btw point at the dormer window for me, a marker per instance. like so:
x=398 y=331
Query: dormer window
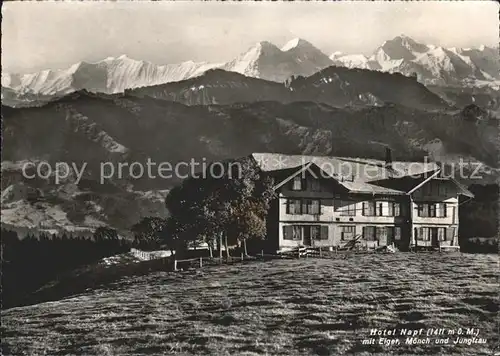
x=298 y=183
x=315 y=185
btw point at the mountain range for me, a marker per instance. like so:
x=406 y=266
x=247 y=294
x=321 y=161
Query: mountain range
x=125 y=128
x=430 y=64
x=292 y=100
x=335 y=86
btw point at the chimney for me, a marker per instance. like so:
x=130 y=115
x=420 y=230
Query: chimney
x=388 y=158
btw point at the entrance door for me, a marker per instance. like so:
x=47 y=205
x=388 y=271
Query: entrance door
x=382 y=236
x=307 y=235
x=434 y=236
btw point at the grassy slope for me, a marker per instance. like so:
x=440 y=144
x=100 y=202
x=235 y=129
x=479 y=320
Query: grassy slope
x=281 y=307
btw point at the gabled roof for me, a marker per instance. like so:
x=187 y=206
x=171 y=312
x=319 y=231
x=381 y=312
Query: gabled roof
x=357 y=175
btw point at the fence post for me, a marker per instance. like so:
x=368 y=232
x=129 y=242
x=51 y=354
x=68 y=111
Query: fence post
x=320 y=255
x=201 y=262
x=175 y=265
x=262 y=253
x=242 y=256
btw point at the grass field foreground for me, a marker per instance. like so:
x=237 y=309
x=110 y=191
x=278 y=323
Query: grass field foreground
x=281 y=307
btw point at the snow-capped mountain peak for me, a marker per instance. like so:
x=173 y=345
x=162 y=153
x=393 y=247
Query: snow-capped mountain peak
x=432 y=64
x=400 y=47
x=264 y=46
x=296 y=43
x=265 y=60
x=110 y=75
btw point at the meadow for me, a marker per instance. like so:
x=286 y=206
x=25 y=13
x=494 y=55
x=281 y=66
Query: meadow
x=307 y=306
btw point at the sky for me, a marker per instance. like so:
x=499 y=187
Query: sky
x=53 y=35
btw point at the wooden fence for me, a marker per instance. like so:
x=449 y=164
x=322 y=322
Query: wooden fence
x=200 y=262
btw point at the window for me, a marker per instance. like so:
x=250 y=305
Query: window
x=319 y=232
x=315 y=232
x=369 y=208
x=292 y=232
x=423 y=234
x=316 y=207
x=293 y=206
x=297 y=183
x=394 y=209
x=310 y=206
x=323 y=233
x=431 y=233
x=441 y=210
x=422 y=210
x=346 y=208
x=369 y=233
x=397 y=233
x=303 y=206
x=347 y=232
x=431 y=210
x=315 y=185
x=381 y=208
x=381 y=233
x=297 y=232
x=442 y=189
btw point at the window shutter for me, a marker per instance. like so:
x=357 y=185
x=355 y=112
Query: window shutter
x=365 y=210
x=441 y=234
x=324 y=232
x=442 y=208
x=450 y=233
